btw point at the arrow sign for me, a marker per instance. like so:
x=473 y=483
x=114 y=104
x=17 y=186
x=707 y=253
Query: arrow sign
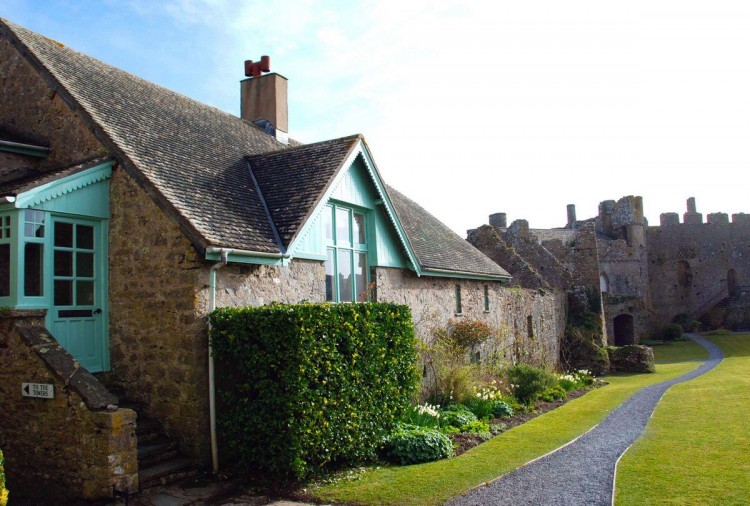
x=39 y=390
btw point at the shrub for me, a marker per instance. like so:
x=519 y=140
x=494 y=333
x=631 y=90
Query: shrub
x=567 y=382
x=478 y=427
x=683 y=320
x=306 y=384
x=671 y=332
x=553 y=393
x=581 y=352
x=695 y=325
x=3 y=490
x=583 y=378
x=457 y=416
x=528 y=382
x=409 y=444
x=501 y=409
x=632 y=358
x=482 y=403
x=423 y=415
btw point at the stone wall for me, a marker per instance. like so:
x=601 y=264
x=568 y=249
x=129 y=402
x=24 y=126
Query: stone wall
x=432 y=301
x=158 y=341
x=689 y=265
x=75 y=445
x=31 y=109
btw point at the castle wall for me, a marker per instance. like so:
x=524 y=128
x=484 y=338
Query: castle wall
x=689 y=265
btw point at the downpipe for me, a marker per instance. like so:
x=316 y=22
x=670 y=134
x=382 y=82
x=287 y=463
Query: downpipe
x=211 y=381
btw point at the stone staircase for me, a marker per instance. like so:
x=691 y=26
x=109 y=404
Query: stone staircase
x=159 y=459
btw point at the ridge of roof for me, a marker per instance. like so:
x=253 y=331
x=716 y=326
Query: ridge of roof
x=436 y=246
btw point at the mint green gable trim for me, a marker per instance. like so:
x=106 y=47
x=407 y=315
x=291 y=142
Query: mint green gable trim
x=302 y=245
x=91 y=194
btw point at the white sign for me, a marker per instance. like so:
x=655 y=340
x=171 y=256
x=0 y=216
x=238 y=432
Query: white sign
x=42 y=390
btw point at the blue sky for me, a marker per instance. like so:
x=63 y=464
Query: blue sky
x=469 y=107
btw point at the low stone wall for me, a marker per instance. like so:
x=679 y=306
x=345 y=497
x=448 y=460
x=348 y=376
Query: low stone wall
x=76 y=445
x=432 y=301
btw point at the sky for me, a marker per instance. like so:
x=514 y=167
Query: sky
x=469 y=107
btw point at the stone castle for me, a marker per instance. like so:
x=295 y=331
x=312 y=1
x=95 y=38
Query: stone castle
x=636 y=277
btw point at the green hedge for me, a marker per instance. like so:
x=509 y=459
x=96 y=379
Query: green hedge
x=304 y=385
x=3 y=490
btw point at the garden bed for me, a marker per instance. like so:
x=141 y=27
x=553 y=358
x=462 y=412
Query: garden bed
x=463 y=442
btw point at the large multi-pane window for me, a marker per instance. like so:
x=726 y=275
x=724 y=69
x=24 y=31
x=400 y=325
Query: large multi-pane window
x=33 y=253
x=346 y=250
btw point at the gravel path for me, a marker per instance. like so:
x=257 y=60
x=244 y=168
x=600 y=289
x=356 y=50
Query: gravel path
x=583 y=471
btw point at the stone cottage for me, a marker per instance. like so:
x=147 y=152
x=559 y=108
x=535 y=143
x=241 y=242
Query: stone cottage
x=128 y=212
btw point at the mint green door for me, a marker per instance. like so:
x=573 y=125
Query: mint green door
x=77 y=317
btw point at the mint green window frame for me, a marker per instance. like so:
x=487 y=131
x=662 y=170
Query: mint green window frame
x=345 y=231
x=8 y=233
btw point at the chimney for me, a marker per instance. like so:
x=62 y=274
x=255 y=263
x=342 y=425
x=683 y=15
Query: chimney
x=571 y=216
x=263 y=99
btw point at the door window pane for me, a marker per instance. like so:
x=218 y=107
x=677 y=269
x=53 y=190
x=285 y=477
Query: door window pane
x=4 y=270
x=84 y=237
x=4 y=227
x=360 y=275
x=344 y=264
x=33 y=254
x=84 y=265
x=330 y=288
x=63 y=292
x=358 y=229
x=342 y=227
x=64 y=235
x=63 y=263
x=84 y=293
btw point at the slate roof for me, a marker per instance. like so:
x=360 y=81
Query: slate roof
x=189 y=154
x=219 y=175
x=312 y=167
x=437 y=246
x=30 y=179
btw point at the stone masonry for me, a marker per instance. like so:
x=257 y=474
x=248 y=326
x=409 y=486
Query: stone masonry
x=75 y=445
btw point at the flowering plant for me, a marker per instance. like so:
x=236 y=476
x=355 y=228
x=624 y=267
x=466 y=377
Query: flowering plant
x=422 y=415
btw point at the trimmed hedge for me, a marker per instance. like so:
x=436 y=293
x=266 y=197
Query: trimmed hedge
x=3 y=490
x=304 y=385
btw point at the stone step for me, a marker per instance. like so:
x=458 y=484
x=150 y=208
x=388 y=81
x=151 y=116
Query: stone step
x=155 y=451
x=166 y=472
x=147 y=430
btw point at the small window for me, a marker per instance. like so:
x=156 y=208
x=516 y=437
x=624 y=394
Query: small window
x=530 y=326
x=4 y=227
x=459 y=308
x=486 y=299
x=34 y=223
x=476 y=358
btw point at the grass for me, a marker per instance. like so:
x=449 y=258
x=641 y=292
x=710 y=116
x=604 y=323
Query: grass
x=435 y=482
x=696 y=448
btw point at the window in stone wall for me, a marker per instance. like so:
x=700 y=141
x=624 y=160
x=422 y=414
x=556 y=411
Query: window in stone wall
x=530 y=326
x=603 y=282
x=459 y=308
x=346 y=266
x=486 y=299
x=684 y=274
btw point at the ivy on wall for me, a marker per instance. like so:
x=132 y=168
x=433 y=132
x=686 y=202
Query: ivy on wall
x=3 y=490
x=305 y=385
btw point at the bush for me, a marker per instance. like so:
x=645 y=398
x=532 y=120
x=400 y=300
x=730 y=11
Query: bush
x=632 y=358
x=581 y=352
x=553 y=393
x=501 y=409
x=478 y=427
x=423 y=415
x=307 y=384
x=409 y=444
x=567 y=382
x=528 y=382
x=457 y=416
x=671 y=332
x=483 y=402
x=683 y=320
x=3 y=490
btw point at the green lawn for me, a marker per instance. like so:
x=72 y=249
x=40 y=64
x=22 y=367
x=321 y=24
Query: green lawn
x=436 y=482
x=696 y=448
